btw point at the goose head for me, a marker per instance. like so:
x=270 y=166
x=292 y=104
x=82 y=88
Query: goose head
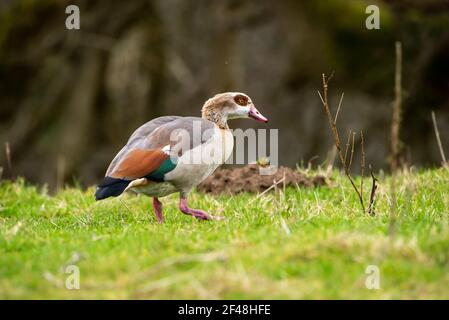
x=230 y=105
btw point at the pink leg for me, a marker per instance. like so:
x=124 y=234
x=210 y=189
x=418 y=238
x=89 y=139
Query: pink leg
x=193 y=212
x=157 y=205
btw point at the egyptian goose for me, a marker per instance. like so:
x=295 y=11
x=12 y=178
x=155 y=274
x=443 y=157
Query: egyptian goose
x=174 y=154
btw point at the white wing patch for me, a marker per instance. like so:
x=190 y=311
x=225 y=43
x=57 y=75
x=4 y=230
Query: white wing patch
x=166 y=149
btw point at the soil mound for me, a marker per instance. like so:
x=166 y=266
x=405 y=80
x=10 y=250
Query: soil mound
x=250 y=179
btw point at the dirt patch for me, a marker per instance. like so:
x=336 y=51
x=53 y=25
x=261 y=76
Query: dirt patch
x=249 y=179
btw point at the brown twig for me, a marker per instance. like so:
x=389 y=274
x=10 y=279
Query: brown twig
x=333 y=126
x=372 y=198
x=437 y=135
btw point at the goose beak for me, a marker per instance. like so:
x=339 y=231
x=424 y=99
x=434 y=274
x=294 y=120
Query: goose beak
x=256 y=115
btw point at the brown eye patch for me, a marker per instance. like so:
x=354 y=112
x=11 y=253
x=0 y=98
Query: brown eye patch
x=241 y=100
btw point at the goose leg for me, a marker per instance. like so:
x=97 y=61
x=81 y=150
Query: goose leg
x=157 y=205
x=199 y=214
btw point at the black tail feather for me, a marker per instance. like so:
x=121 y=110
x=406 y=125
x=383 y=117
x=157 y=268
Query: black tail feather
x=111 y=187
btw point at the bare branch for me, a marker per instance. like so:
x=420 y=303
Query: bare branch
x=333 y=126
x=321 y=97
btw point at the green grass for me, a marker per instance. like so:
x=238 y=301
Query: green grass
x=304 y=244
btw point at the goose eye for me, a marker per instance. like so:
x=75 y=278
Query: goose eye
x=240 y=100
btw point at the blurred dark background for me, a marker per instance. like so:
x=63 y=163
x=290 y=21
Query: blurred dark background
x=69 y=99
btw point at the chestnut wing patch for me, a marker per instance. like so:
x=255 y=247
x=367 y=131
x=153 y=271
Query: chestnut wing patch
x=139 y=163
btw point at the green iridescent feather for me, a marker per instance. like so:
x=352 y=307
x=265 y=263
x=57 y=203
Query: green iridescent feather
x=158 y=174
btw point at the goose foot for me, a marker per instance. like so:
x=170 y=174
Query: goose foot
x=199 y=214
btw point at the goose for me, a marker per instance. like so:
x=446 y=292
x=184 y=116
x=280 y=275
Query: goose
x=173 y=154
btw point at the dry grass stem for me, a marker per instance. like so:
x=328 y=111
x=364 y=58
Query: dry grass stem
x=372 y=198
x=352 y=150
x=437 y=135
x=339 y=106
x=8 y=158
x=347 y=145
x=362 y=160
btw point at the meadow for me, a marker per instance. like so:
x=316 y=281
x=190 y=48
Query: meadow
x=295 y=243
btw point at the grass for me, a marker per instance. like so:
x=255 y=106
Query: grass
x=304 y=244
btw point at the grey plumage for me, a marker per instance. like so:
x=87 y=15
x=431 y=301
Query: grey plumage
x=161 y=131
